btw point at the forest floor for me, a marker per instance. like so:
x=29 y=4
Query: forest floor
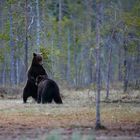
x=73 y=120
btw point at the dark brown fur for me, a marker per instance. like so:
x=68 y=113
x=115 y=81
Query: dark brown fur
x=35 y=70
x=48 y=90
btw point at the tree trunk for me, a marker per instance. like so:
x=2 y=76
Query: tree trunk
x=59 y=24
x=75 y=57
x=3 y=68
x=17 y=71
x=26 y=36
x=4 y=74
x=108 y=73
x=37 y=25
x=98 y=59
x=68 y=58
x=52 y=55
x=125 y=68
x=12 y=63
x=119 y=65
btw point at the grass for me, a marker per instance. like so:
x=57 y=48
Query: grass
x=75 y=119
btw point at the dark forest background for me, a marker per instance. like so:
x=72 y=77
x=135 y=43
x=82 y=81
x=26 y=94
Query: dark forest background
x=70 y=33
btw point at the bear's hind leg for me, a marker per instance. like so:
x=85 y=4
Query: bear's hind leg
x=47 y=97
x=25 y=97
x=58 y=99
x=39 y=96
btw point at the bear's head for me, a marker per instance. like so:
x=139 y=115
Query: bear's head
x=37 y=59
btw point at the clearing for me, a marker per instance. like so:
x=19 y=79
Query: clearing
x=120 y=115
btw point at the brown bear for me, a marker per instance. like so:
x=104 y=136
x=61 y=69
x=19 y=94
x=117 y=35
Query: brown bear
x=48 y=90
x=35 y=70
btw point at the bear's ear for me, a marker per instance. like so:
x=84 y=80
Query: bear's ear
x=34 y=54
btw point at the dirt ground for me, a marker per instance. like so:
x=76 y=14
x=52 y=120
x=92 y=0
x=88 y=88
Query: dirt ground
x=33 y=121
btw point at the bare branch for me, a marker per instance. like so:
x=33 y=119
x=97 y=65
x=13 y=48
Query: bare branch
x=31 y=22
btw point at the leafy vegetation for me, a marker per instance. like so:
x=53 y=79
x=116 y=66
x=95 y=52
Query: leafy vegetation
x=66 y=33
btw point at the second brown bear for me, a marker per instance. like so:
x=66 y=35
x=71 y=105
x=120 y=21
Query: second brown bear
x=48 y=90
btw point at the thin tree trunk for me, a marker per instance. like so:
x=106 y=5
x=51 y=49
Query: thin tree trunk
x=54 y=58
x=38 y=25
x=75 y=58
x=119 y=65
x=59 y=24
x=26 y=36
x=3 y=68
x=125 y=68
x=98 y=74
x=4 y=74
x=68 y=58
x=17 y=71
x=98 y=59
x=52 y=54
x=88 y=76
x=108 y=73
x=12 y=63
x=98 y=123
